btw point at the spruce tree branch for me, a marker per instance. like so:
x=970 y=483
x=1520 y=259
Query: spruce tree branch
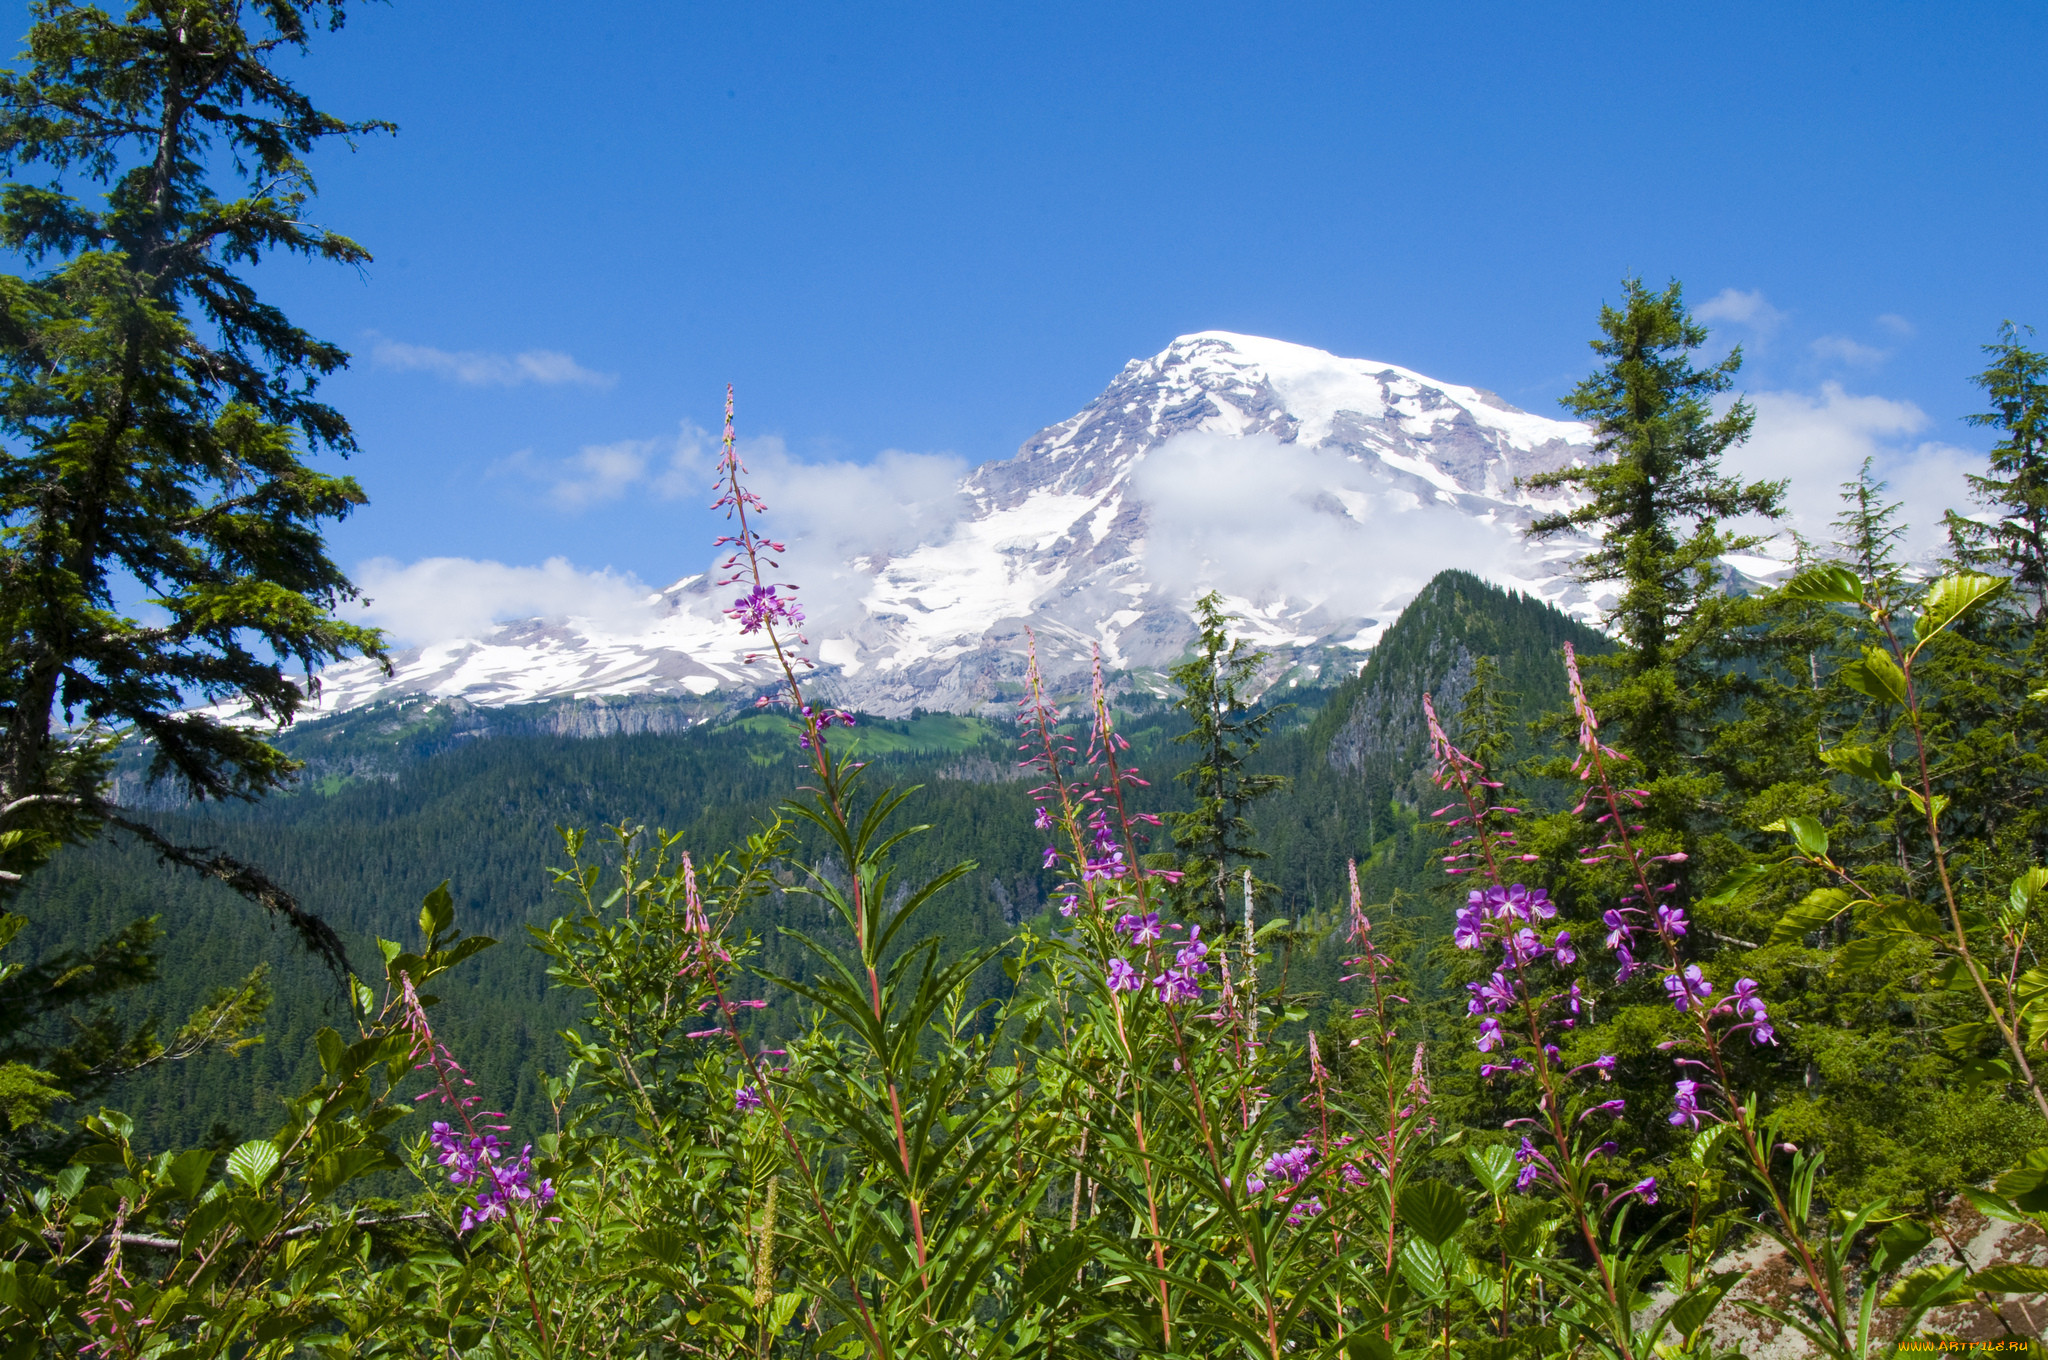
x=313 y=932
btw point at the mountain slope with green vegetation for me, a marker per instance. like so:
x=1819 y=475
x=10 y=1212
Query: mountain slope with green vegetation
x=398 y=798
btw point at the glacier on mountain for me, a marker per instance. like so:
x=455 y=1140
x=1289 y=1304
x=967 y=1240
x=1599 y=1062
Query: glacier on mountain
x=1317 y=493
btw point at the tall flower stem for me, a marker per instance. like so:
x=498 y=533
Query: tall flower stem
x=1596 y=772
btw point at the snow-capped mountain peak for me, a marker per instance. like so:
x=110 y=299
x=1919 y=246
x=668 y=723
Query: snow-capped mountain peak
x=1317 y=493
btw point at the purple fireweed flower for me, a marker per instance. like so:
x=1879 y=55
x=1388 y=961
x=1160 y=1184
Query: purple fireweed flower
x=1304 y=1211
x=760 y=607
x=1685 y=1105
x=1619 y=931
x=1292 y=1165
x=1043 y=821
x=1747 y=1002
x=1193 y=952
x=746 y=1098
x=1123 y=977
x=1561 y=951
x=1489 y=1033
x=1628 y=965
x=1689 y=988
x=1254 y=1186
x=1527 y=1178
x=1469 y=930
x=1646 y=1187
x=1523 y=946
x=1527 y=1152
x=1613 y=1107
x=1069 y=904
x=1052 y=856
x=1574 y=999
x=1671 y=920
x=1142 y=929
x=1174 y=986
x=1352 y=1175
x=1494 y=994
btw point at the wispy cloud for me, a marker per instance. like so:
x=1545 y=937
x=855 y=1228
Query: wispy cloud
x=1819 y=439
x=1744 y=309
x=438 y=599
x=1897 y=325
x=1840 y=349
x=475 y=368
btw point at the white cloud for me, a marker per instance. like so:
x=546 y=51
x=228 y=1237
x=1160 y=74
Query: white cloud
x=548 y=367
x=1256 y=518
x=438 y=599
x=1897 y=325
x=1819 y=440
x=1744 y=309
x=1842 y=350
x=593 y=475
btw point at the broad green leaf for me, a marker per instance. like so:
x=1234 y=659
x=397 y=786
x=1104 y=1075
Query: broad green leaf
x=1865 y=762
x=1951 y=597
x=1435 y=1210
x=1494 y=1166
x=2027 y=889
x=253 y=1161
x=437 y=911
x=1815 y=911
x=1691 y=1311
x=1733 y=885
x=1831 y=584
x=2012 y=1279
x=1925 y=1286
x=1809 y=835
x=1876 y=675
x=1423 y=1267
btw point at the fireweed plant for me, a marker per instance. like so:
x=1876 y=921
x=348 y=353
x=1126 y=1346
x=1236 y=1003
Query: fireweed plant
x=1540 y=991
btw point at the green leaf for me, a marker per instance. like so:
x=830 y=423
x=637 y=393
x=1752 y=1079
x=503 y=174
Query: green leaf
x=1423 y=1267
x=1876 y=675
x=2012 y=1279
x=188 y=1171
x=1732 y=886
x=1864 y=762
x=1831 y=584
x=1902 y=1241
x=1494 y=1166
x=1816 y=911
x=2027 y=889
x=1809 y=835
x=253 y=1161
x=1435 y=1210
x=437 y=912
x=1690 y=1312
x=1925 y=1287
x=1951 y=597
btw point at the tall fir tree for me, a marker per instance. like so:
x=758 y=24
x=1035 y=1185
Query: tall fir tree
x=1658 y=501
x=1216 y=836
x=158 y=415
x=2015 y=486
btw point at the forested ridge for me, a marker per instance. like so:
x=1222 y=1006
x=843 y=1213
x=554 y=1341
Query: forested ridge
x=483 y=813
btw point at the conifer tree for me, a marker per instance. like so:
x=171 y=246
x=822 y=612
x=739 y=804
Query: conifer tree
x=1658 y=501
x=2015 y=487
x=156 y=415
x=1217 y=834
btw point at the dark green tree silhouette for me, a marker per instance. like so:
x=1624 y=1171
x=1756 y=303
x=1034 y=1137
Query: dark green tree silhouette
x=160 y=539
x=1658 y=502
x=2015 y=486
x=1225 y=731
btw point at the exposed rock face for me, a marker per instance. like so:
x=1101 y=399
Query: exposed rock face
x=1319 y=494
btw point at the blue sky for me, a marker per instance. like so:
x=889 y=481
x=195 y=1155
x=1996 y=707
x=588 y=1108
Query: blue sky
x=937 y=228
